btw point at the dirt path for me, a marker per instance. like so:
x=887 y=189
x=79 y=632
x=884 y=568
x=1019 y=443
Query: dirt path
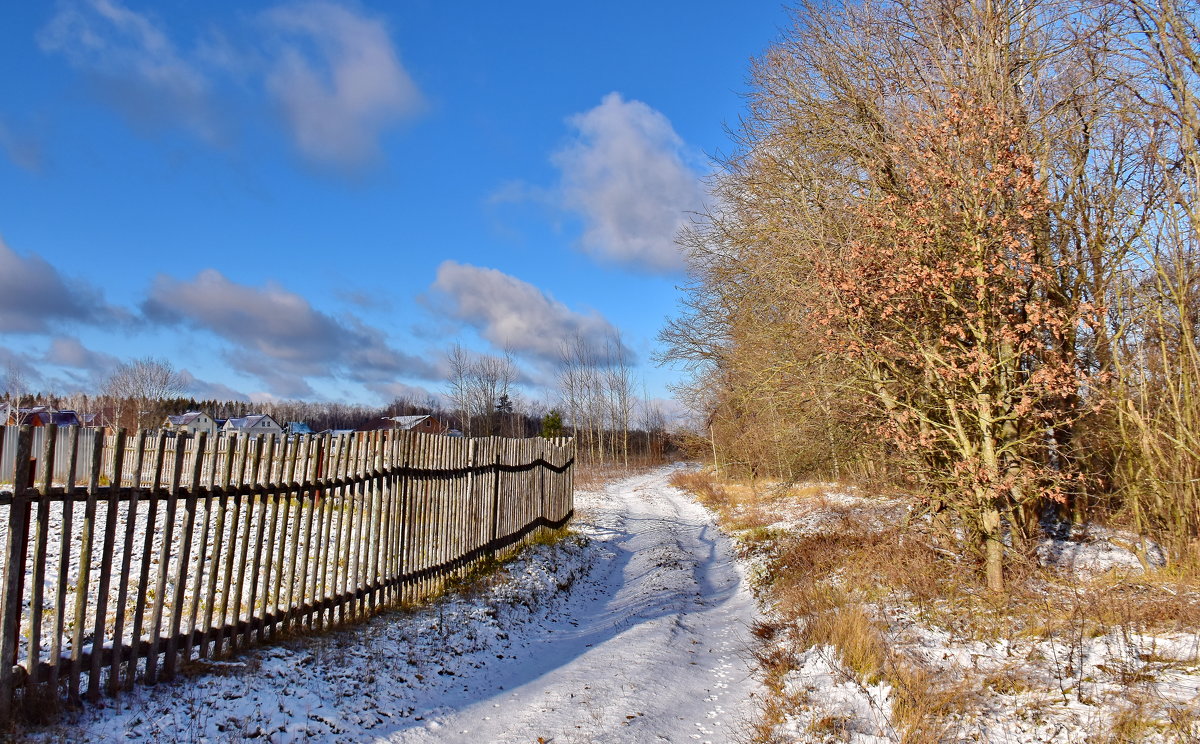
x=649 y=648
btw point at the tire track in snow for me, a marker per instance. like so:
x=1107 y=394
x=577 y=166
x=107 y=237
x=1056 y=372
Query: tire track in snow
x=650 y=647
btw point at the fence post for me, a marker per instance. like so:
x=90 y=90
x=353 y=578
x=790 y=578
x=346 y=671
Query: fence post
x=44 y=482
x=14 y=580
x=496 y=497
x=542 y=457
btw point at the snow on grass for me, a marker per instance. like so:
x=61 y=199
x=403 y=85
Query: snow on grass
x=1086 y=648
x=353 y=684
x=1090 y=550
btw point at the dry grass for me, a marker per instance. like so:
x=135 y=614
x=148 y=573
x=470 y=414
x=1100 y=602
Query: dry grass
x=828 y=589
x=821 y=585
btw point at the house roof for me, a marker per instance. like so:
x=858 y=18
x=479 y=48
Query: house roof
x=249 y=422
x=65 y=418
x=184 y=419
x=408 y=422
x=47 y=416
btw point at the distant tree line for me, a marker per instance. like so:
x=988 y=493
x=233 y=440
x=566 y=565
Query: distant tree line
x=593 y=400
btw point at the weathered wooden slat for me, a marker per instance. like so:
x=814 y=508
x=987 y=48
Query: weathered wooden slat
x=231 y=606
x=267 y=453
x=211 y=640
x=64 y=558
x=14 y=570
x=354 y=559
x=82 y=584
x=164 y=562
x=153 y=500
x=442 y=507
x=404 y=558
x=326 y=544
x=285 y=561
x=254 y=461
x=340 y=532
x=41 y=541
x=99 y=634
x=378 y=524
x=114 y=674
x=445 y=507
x=183 y=563
x=400 y=496
x=202 y=557
x=296 y=562
x=298 y=590
x=391 y=500
x=353 y=515
x=422 y=524
x=371 y=547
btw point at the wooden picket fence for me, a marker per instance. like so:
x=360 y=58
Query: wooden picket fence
x=166 y=549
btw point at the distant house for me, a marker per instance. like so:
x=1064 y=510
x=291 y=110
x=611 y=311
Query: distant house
x=255 y=425
x=425 y=424
x=297 y=427
x=45 y=416
x=191 y=422
x=65 y=417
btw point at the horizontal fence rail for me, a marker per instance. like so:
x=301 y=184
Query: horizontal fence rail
x=126 y=555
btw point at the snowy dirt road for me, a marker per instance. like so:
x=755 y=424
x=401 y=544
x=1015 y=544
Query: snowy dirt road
x=637 y=633
x=650 y=647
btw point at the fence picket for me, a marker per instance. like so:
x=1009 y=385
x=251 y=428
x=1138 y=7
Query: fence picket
x=185 y=554
x=114 y=674
x=164 y=563
x=256 y=567
x=64 y=559
x=106 y=556
x=85 y=564
x=45 y=482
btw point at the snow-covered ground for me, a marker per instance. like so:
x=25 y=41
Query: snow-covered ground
x=635 y=630
x=1058 y=676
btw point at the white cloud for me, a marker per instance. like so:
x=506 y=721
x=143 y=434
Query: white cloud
x=34 y=296
x=389 y=391
x=206 y=390
x=134 y=66
x=65 y=351
x=332 y=73
x=278 y=336
x=513 y=314
x=338 y=81
x=625 y=174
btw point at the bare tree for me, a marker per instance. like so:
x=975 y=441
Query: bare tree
x=619 y=390
x=480 y=387
x=16 y=389
x=144 y=382
x=596 y=393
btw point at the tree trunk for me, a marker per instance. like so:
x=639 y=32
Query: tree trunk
x=993 y=548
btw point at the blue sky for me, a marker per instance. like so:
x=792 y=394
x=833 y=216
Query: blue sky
x=315 y=199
